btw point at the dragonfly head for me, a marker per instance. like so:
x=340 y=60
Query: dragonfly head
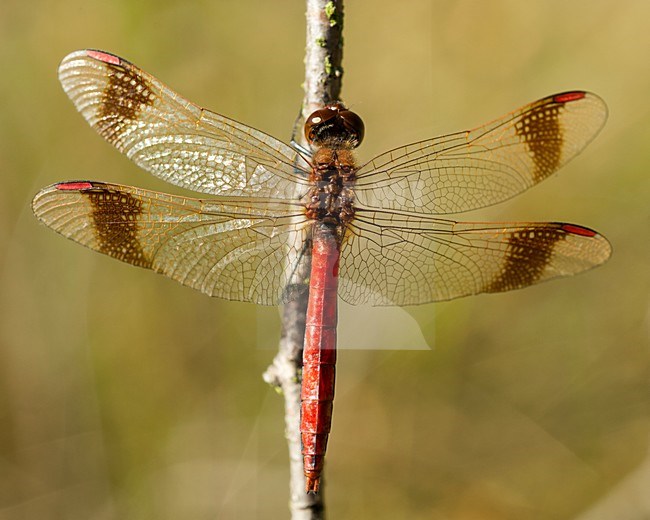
x=334 y=125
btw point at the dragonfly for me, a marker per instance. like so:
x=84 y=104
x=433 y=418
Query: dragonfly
x=373 y=231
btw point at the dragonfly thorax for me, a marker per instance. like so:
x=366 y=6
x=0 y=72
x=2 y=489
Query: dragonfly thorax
x=331 y=198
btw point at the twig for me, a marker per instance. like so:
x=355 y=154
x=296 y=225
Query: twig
x=322 y=85
x=323 y=71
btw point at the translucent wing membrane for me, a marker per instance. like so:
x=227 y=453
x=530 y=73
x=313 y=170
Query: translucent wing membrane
x=235 y=249
x=246 y=242
x=173 y=138
x=406 y=259
x=480 y=167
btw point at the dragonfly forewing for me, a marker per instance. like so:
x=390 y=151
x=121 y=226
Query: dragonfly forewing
x=490 y=164
x=173 y=138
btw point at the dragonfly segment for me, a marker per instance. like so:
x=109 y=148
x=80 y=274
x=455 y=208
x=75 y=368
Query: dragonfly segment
x=376 y=229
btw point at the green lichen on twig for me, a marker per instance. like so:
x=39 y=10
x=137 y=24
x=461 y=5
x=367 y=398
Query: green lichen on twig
x=330 y=70
x=332 y=14
x=328 y=65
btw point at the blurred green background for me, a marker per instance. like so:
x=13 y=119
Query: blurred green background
x=124 y=395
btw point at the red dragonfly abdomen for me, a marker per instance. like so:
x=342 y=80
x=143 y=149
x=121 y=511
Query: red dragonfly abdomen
x=319 y=354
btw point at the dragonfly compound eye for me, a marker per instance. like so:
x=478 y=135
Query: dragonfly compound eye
x=334 y=123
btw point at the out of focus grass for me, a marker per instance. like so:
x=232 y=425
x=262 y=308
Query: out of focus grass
x=124 y=395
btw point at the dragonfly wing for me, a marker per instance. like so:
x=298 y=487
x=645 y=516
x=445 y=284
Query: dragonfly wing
x=407 y=259
x=484 y=166
x=230 y=248
x=175 y=139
